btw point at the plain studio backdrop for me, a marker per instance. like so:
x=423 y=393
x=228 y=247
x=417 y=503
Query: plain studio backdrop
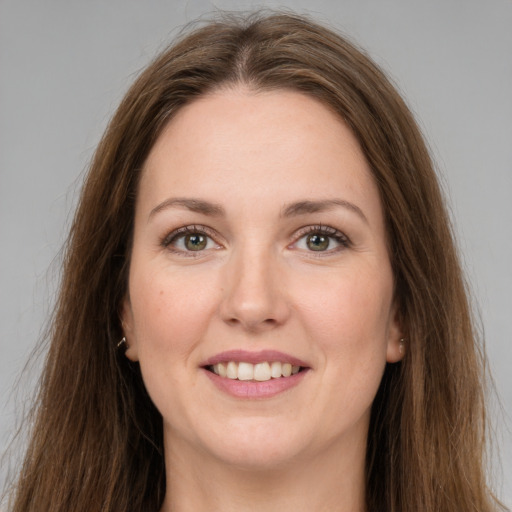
x=64 y=66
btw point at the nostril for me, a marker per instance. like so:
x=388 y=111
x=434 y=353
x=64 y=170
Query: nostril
x=252 y=323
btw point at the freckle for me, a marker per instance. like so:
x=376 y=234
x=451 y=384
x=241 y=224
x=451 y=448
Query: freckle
x=161 y=292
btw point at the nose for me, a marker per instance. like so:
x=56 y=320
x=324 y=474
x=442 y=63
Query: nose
x=254 y=295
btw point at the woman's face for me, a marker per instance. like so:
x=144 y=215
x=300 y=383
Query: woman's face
x=259 y=249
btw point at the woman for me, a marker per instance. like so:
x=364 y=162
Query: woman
x=261 y=305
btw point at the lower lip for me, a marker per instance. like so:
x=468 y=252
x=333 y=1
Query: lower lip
x=249 y=389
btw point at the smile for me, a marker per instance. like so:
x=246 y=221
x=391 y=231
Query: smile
x=260 y=372
x=255 y=375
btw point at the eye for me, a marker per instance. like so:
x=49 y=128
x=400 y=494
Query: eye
x=194 y=242
x=321 y=239
x=317 y=242
x=189 y=239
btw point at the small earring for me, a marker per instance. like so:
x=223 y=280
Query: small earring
x=401 y=346
x=121 y=343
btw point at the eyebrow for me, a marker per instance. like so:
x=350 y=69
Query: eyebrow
x=291 y=210
x=305 y=207
x=194 y=205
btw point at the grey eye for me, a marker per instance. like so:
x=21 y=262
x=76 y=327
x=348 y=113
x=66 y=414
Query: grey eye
x=317 y=242
x=195 y=242
x=189 y=241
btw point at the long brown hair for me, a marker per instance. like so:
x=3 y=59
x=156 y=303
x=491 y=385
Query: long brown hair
x=97 y=439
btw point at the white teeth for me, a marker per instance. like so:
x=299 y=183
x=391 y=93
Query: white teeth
x=231 y=370
x=221 y=369
x=260 y=372
x=287 y=369
x=275 y=370
x=245 y=371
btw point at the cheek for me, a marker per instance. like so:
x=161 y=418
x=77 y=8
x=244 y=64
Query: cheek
x=169 y=320
x=170 y=313
x=350 y=325
x=349 y=310
x=348 y=319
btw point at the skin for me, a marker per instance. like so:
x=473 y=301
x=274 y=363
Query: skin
x=258 y=285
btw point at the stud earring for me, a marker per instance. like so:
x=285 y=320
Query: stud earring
x=121 y=343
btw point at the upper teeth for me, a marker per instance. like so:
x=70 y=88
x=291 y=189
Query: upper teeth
x=260 y=371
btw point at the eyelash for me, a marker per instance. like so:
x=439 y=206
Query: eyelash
x=327 y=231
x=319 y=229
x=194 y=229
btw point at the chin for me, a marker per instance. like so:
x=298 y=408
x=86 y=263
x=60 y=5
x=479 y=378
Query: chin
x=256 y=445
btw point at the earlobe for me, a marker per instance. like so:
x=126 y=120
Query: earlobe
x=396 y=350
x=130 y=343
x=396 y=341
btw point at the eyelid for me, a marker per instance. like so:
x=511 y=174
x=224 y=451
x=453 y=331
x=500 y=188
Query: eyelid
x=328 y=231
x=341 y=238
x=174 y=235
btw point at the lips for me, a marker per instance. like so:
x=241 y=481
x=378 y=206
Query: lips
x=253 y=358
x=254 y=374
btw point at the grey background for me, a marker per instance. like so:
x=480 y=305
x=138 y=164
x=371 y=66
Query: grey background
x=64 y=65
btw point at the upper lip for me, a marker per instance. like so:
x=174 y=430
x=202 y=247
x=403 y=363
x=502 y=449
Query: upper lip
x=253 y=357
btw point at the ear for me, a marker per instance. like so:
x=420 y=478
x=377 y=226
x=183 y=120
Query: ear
x=396 y=344
x=127 y=322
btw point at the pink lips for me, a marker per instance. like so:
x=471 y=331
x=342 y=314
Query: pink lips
x=253 y=389
x=253 y=357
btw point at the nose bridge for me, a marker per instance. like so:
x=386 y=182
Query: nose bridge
x=254 y=295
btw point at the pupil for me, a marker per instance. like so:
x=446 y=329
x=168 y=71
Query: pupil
x=195 y=242
x=318 y=242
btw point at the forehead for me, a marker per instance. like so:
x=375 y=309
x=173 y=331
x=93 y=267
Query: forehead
x=274 y=145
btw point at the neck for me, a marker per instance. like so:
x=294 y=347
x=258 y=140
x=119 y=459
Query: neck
x=333 y=481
